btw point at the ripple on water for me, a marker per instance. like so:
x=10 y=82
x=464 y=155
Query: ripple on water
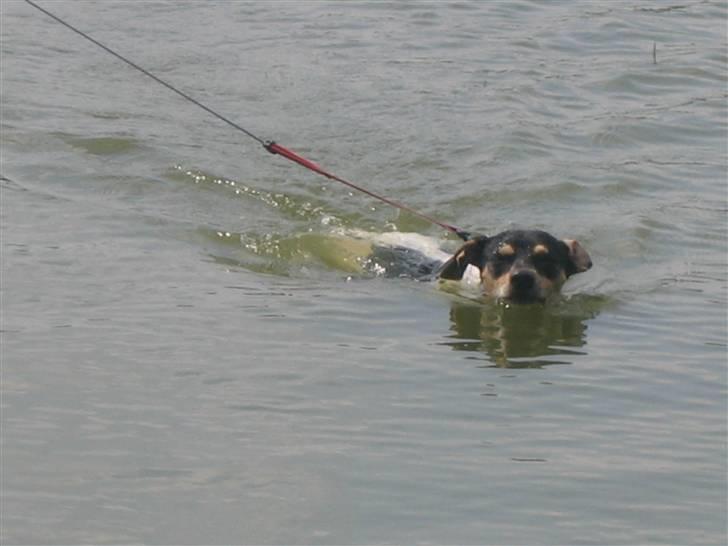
x=105 y=145
x=186 y=351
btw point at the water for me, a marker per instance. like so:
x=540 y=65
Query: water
x=191 y=352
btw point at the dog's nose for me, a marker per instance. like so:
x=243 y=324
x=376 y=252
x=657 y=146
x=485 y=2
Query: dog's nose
x=523 y=281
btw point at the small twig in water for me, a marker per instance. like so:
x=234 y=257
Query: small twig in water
x=654 y=52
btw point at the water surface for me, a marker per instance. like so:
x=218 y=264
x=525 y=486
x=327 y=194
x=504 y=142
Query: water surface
x=191 y=352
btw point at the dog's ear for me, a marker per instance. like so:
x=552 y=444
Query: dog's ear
x=471 y=253
x=579 y=260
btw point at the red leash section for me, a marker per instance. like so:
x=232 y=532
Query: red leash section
x=277 y=149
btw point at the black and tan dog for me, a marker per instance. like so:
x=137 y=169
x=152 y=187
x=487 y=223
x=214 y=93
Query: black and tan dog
x=522 y=266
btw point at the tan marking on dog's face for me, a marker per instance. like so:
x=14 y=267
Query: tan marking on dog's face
x=540 y=249
x=496 y=287
x=506 y=250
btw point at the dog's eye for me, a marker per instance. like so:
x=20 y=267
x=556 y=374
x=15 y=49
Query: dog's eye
x=546 y=267
x=500 y=264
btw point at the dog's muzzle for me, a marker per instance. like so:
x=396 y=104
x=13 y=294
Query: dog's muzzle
x=524 y=287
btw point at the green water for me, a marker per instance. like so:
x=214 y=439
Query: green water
x=195 y=352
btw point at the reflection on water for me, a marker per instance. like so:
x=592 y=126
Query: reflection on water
x=524 y=336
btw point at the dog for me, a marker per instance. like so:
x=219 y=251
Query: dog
x=520 y=266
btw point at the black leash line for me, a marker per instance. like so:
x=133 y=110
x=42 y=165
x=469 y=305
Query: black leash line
x=143 y=71
x=271 y=146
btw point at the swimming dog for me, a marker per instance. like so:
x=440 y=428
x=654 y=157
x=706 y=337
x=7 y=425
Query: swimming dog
x=522 y=266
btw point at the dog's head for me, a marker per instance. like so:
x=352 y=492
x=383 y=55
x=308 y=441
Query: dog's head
x=519 y=265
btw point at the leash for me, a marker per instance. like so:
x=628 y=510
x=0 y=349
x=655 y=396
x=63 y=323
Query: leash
x=269 y=145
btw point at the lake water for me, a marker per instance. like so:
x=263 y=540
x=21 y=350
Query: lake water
x=190 y=353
